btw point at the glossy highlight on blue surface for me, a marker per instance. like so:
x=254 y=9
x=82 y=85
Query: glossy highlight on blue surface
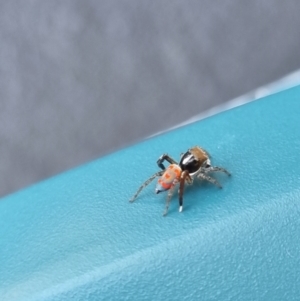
x=76 y=236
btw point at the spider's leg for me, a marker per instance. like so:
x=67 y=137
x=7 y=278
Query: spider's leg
x=216 y=168
x=169 y=197
x=183 y=178
x=164 y=157
x=203 y=176
x=157 y=174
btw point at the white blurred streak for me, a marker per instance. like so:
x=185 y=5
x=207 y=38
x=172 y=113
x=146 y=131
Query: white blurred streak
x=288 y=81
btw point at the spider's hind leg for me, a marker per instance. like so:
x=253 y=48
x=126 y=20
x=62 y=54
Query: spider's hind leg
x=164 y=157
x=169 y=197
x=147 y=182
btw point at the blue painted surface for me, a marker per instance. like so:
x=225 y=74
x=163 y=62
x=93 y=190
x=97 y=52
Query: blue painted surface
x=76 y=236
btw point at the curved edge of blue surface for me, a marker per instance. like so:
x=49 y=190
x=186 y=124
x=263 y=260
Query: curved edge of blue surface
x=76 y=236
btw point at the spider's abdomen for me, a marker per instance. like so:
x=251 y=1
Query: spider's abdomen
x=166 y=180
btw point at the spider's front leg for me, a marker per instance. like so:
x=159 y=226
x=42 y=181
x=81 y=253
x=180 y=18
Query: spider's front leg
x=184 y=176
x=147 y=182
x=164 y=157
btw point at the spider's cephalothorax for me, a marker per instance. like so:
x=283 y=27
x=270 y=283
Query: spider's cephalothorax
x=195 y=163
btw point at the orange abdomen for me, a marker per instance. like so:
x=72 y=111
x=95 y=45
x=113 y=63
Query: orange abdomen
x=166 y=180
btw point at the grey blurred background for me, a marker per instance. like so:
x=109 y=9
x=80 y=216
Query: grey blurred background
x=79 y=79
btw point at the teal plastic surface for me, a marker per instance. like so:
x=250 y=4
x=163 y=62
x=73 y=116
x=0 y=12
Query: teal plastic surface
x=76 y=236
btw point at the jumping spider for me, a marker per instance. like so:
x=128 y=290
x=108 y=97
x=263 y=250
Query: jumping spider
x=195 y=163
